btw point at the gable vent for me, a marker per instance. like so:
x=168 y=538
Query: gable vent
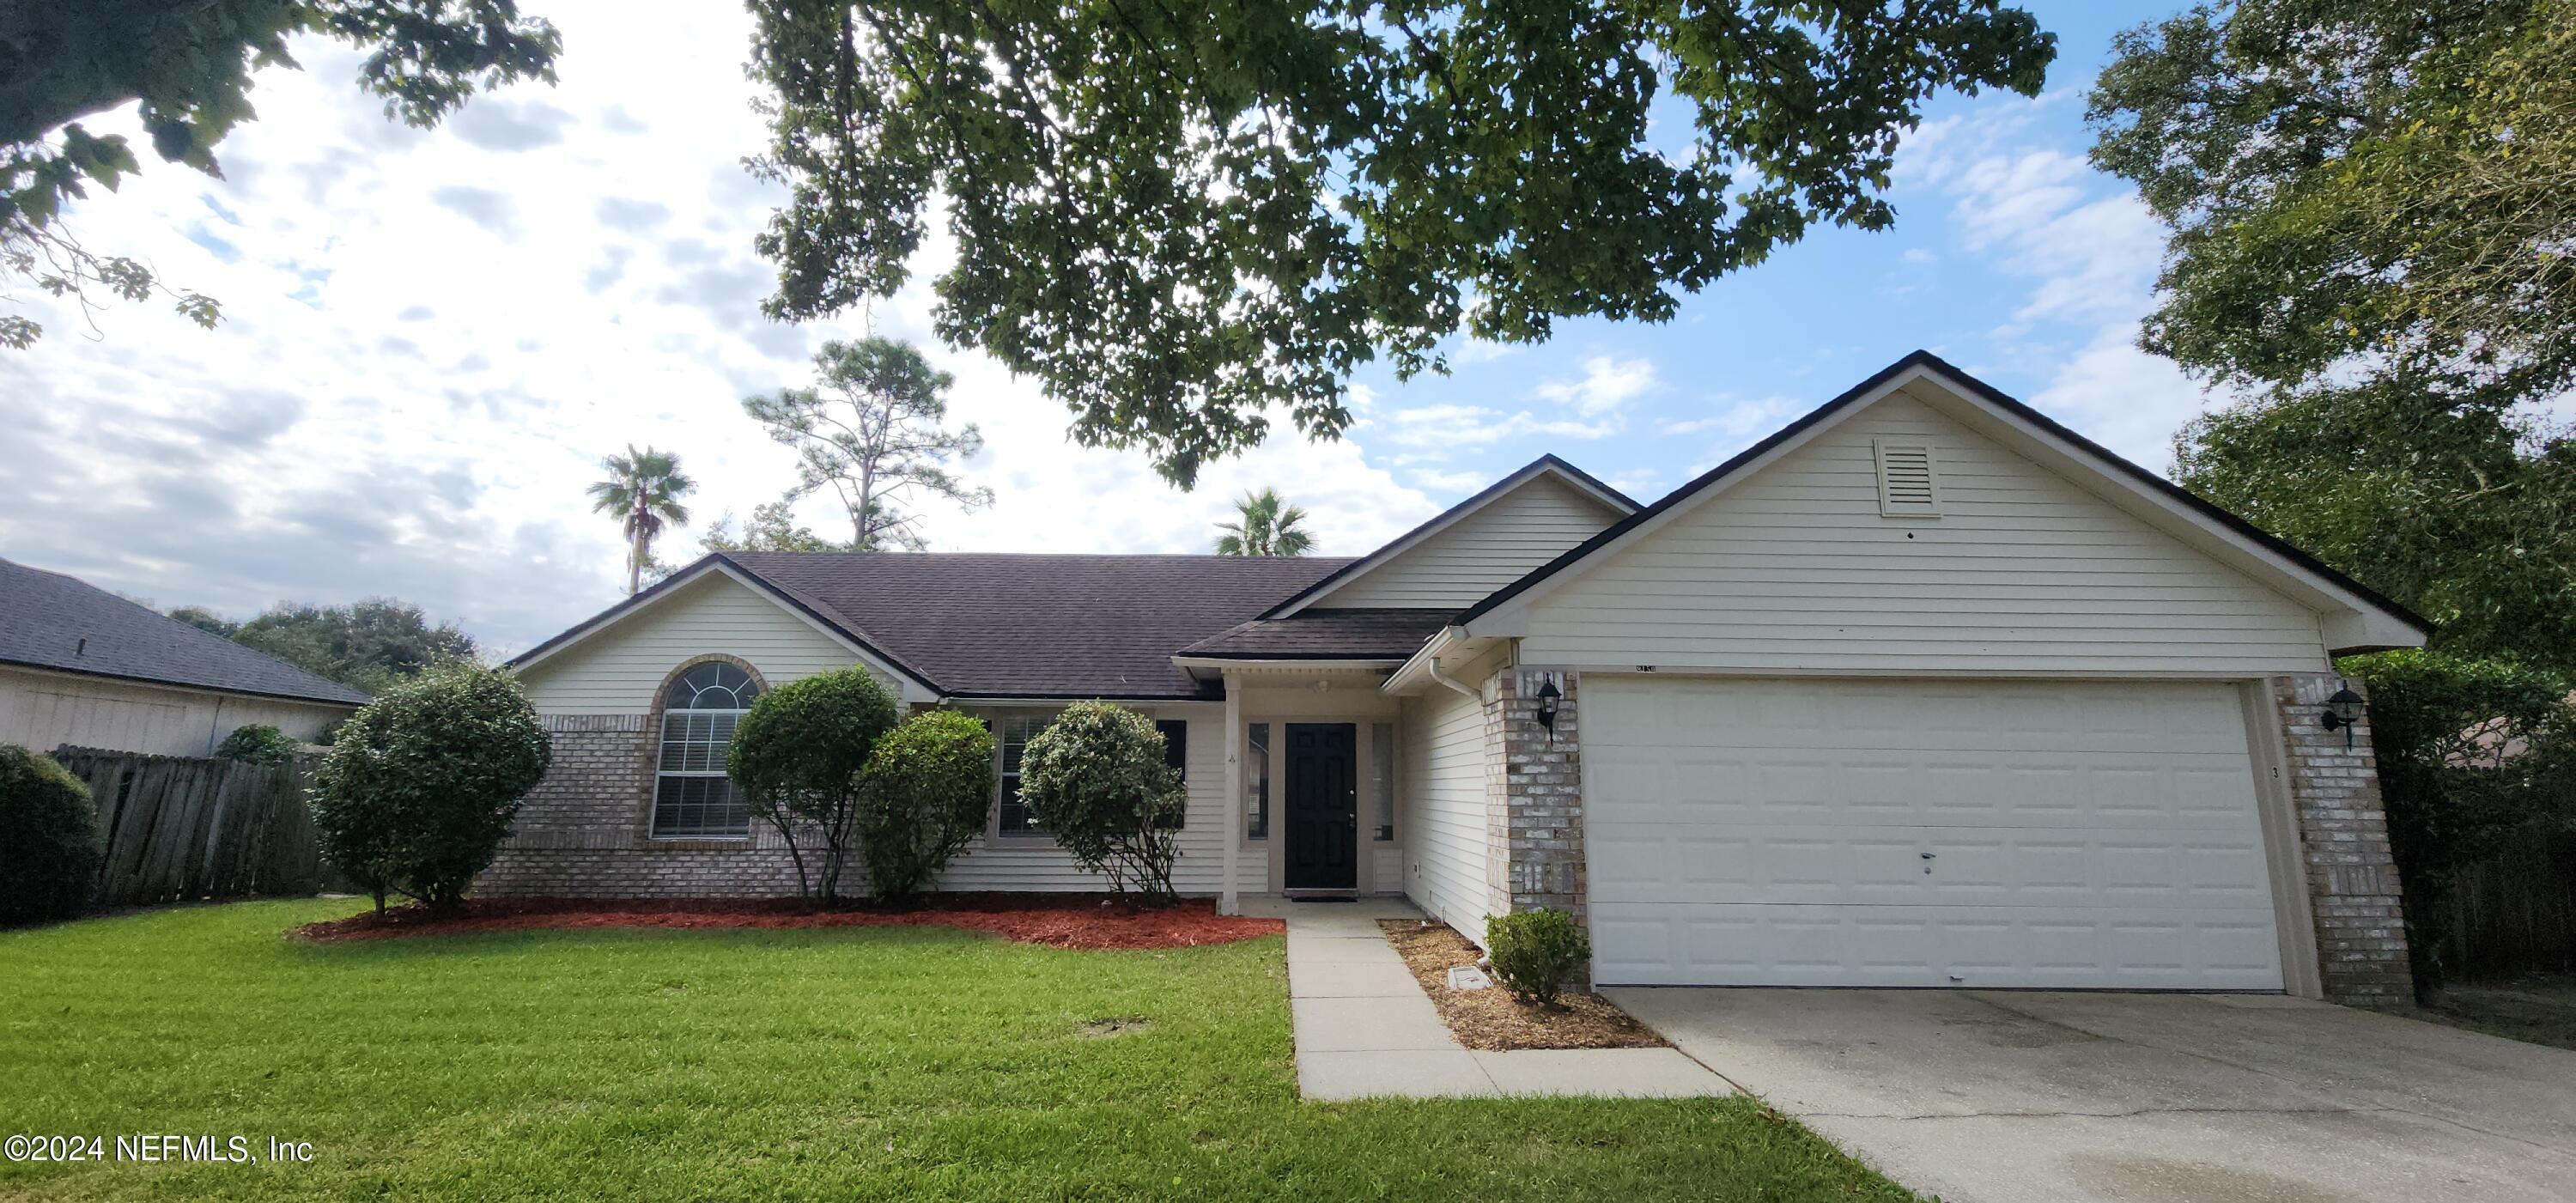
x=1908 y=485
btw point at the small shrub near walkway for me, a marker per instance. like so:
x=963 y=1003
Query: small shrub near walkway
x=1491 y=1019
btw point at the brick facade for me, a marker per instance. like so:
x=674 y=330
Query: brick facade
x=586 y=831
x=2343 y=842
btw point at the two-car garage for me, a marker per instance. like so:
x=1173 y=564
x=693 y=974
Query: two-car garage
x=1912 y=832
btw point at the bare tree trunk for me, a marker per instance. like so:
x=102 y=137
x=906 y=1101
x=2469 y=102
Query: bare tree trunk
x=635 y=558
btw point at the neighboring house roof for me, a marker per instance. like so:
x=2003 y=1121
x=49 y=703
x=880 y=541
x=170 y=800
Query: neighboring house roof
x=1545 y=465
x=2288 y=559
x=1324 y=635
x=61 y=623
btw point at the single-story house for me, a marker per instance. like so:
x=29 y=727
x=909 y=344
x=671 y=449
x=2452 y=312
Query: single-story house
x=81 y=666
x=1923 y=690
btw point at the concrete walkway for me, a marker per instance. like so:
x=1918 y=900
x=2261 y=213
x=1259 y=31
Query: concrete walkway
x=1365 y=1029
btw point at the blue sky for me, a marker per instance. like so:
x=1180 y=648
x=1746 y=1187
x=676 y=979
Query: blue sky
x=431 y=338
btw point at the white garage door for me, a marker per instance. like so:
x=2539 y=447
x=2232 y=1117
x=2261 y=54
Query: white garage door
x=1914 y=833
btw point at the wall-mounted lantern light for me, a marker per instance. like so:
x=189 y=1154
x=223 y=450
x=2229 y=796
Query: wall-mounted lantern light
x=2343 y=711
x=1548 y=693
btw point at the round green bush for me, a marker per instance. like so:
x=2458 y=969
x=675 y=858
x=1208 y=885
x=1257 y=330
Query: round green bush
x=798 y=756
x=1096 y=779
x=929 y=788
x=257 y=743
x=1536 y=953
x=418 y=792
x=49 y=841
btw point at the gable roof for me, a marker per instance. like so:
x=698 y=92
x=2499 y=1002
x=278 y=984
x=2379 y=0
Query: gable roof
x=2291 y=561
x=813 y=612
x=987 y=625
x=65 y=624
x=1042 y=626
x=1545 y=465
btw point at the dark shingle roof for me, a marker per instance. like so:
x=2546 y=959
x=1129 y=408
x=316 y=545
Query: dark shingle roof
x=1067 y=626
x=48 y=620
x=1326 y=635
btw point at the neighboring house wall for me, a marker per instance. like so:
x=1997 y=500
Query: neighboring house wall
x=617 y=670
x=44 y=711
x=1794 y=569
x=1445 y=812
x=1482 y=552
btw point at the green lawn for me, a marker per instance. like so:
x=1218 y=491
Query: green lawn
x=871 y=1062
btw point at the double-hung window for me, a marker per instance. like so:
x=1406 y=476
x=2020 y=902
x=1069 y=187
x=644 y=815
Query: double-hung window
x=692 y=797
x=1013 y=733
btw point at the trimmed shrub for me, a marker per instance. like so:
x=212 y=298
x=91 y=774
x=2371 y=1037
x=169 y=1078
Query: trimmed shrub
x=1096 y=779
x=418 y=792
x=49 y=843
x=929 y=788
x=1536 y=953
x=257 y=743
x=799 y=755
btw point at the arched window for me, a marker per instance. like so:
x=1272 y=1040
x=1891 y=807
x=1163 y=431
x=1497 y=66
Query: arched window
x=692 y=797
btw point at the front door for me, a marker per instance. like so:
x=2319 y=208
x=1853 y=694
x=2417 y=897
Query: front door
x=1323 y=807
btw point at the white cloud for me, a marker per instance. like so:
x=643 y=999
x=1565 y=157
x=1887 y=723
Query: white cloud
x=2087 y=251
x=1607 y=384
x=431 y=337
x=1738 y=418
x=1436 y=430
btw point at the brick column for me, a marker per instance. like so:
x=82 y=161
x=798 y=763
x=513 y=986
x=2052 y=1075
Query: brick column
x=2343 y=841
x=1534 y=795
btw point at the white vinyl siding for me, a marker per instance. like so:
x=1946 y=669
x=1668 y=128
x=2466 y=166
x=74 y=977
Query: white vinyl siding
x=1481 y=552
x=1034 y=862
x=1794 y=569
x=1886 y=832
x=45 y=711
x=617 y=670
x=1442 y=825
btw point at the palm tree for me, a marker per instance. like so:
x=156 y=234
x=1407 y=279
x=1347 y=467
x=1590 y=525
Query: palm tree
x=643 y=490
x=1268 y=528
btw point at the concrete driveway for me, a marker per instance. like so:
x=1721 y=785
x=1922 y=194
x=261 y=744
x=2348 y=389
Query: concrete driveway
x=2002 y=1097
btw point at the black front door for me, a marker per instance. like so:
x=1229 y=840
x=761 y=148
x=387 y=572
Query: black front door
x=1323 y=807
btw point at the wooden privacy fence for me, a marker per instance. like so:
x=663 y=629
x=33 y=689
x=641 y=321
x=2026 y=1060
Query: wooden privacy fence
x=185 y=827
x=2513 y=912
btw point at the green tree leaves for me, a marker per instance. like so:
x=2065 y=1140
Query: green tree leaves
x=2370 y=218
x=1178 y=216
x=189 y=63
x=1264 y=526
x=870 y=432
x=642 y=491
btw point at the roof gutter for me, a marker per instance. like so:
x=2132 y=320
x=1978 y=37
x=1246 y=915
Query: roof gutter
x=1427 y=661
x=1311 y=663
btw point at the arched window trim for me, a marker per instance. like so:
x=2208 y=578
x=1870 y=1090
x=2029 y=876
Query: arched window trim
x=692 y=798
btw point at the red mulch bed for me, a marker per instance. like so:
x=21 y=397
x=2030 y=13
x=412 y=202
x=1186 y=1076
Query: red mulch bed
x=1060 y=920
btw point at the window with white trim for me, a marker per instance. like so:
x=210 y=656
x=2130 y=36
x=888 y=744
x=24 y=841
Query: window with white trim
x=1011 y=735
x=692 y=796
x=1256 y=781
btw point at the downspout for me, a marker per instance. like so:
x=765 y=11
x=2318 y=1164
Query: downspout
x=1431 y=667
